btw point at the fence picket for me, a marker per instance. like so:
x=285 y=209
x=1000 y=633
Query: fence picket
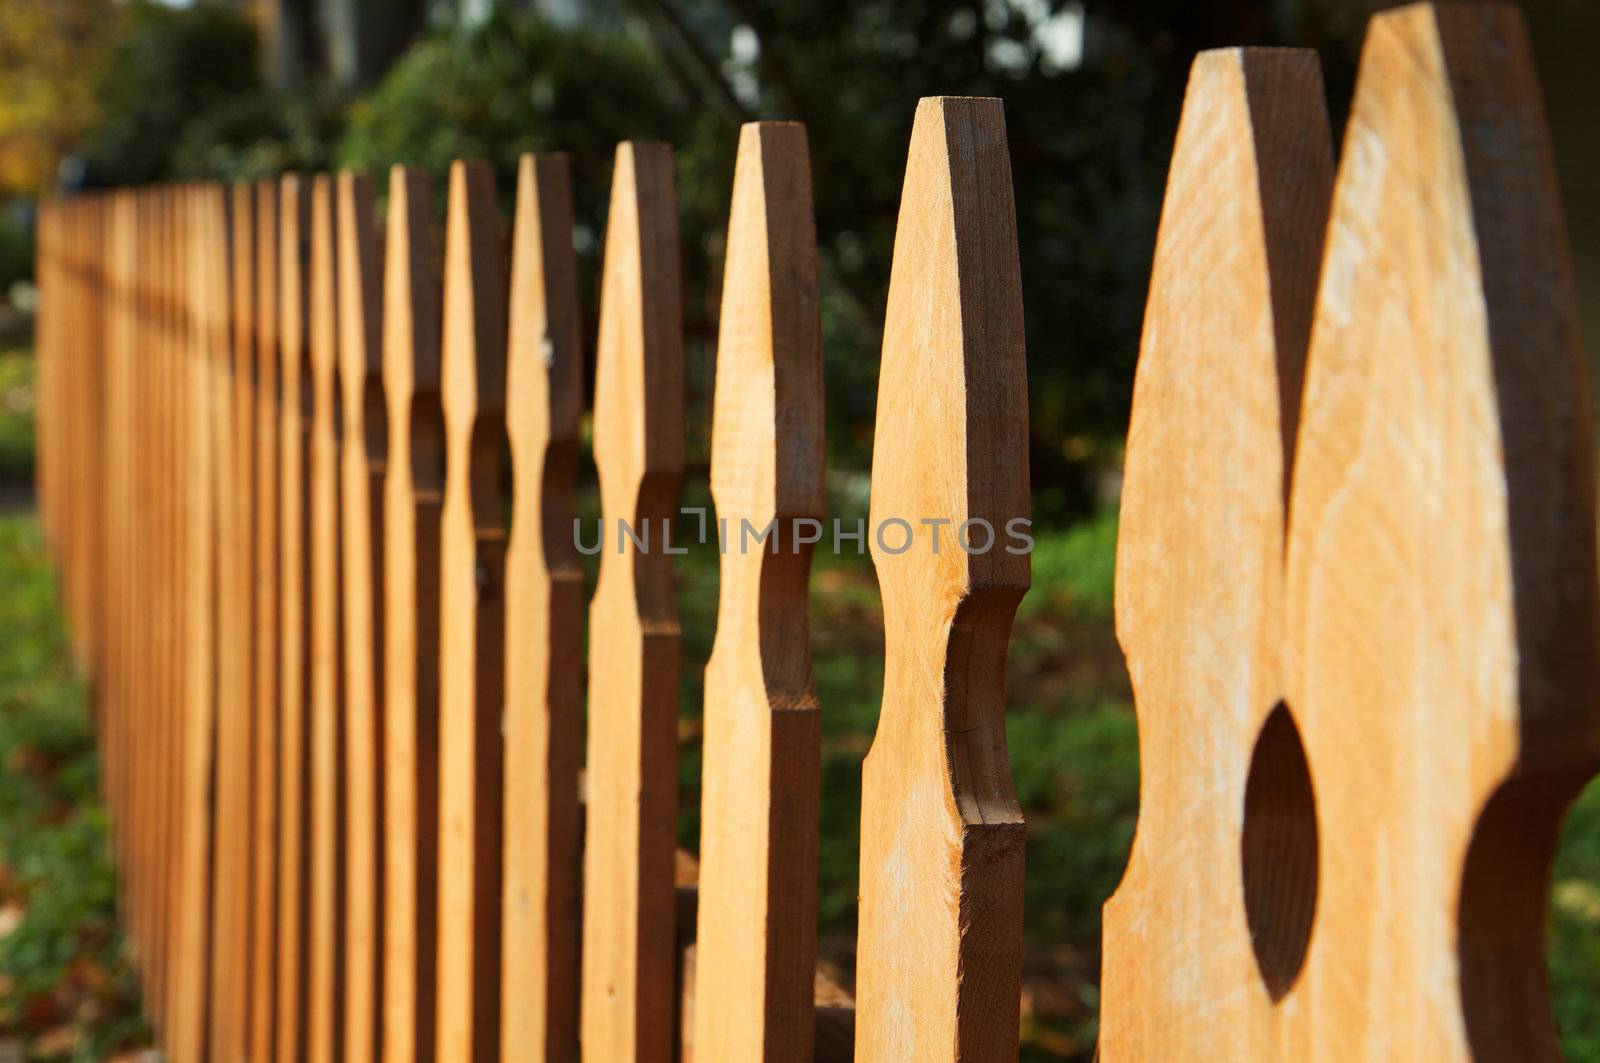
x=544 y=622
x=413 y=493
x=204 y=254
x=362 y=461
x=1384 y=581
x=628 y=1002
x=294 y=646
x=472 y=621
x=162 y=526
x=265 y=754
x=940 y=942
x=1209 y=451
x=230 y=429
x=325 y=1014
x=1442 y=611
x=756 y=934
x=172 y=705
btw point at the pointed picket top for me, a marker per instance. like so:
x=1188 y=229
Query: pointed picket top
x=1442 y=614
x=361 y=461
x=628 y=997
x=413 y=491
x=544 y=620
x=940 y=940
x=471 y=589
x=294 y=642
x=756 y=940
x=1200 y=570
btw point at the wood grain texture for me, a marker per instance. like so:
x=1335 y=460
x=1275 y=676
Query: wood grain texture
x=231 y=433
x=471 y=593
x=325 y=966
x=164 y=703
x=179 y=679
x=1200 y=563
x=206 y=262
x=544 y=625
x=362 y=459
x=264 y=701
x=413 y=495
x=294 y=644
x=628 y=912
x=1441 y=597
x=940 y=938
x=756 y=940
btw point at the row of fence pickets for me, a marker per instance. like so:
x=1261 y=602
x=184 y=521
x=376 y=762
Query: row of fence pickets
x=341 y=710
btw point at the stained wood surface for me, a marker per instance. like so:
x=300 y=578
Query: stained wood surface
x=1419 y=636
x=206 y=262
x=163 y=525
x=325 y=995
x=362 y=459
x=940 y=940
x=157 y=525
x=756 y=937
x=543 y=625
x=294 y=645
x=628 y=910
x=230 y=425
x=471 y=592
x=1204 y=933
x=1441 y=596
x=265 y=702
x=413 y=495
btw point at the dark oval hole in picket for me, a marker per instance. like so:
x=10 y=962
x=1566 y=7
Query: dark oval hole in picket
x=1279 y=852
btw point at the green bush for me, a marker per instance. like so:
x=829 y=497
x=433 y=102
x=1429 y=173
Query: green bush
x=169 y=66
x=16 y=416
x=518 y=84
x=16 y=254
x=511 y=85
x=66 y=988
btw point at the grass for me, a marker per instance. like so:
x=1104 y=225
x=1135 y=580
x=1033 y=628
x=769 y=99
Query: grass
x=1070 y=728
x=66 y=990
x=16 y=416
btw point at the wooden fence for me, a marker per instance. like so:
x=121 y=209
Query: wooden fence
x=340 y=694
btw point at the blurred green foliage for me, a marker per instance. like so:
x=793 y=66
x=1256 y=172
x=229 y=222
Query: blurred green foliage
x=181 y=97
x=168 y=67
x=16 y=417
x=16 y=253
x=66 y=989
x=1090 y=127
x=515 y=84
x=1573 y=938
x=1088 y=149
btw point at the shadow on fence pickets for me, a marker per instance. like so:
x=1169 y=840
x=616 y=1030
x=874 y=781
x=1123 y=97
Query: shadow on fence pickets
x=340 y=707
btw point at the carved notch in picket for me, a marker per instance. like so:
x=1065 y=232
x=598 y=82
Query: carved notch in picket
x=756 y=937
x=471 y=617
x=361 y=472
x=628 y=911
x=1442 y=621
x=294 y=643
x=413 y=500
x=1226 y=846
x=940 y=953
x=544 y=621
